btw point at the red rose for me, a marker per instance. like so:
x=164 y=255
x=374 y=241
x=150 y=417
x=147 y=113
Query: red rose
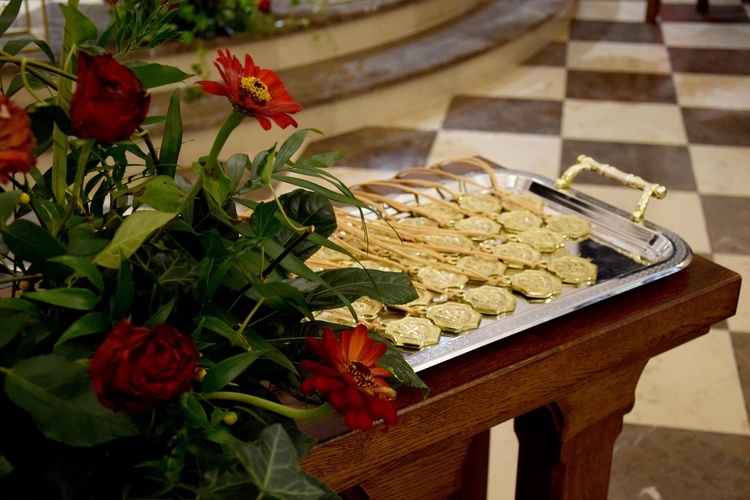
x=264 y=6
x=109 y=101
x=137 y=369
x=17 y=141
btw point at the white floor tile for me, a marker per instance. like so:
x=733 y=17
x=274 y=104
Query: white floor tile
x=618 y=56
x=721 y=170
x=712 y=91
x=707 y=36
x=694 y=386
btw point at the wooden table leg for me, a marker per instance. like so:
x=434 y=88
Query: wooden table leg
x=565 y=448
x=652 y=10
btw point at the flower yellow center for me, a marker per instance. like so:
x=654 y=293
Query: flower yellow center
x=360 y=373
x=254 y=89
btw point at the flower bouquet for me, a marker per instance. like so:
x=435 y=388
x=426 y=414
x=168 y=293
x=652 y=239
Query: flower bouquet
x=152 y=342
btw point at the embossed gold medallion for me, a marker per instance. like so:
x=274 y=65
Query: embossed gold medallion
x=514 y=250
x=536 y=284
x=478 y=224
x=367 y=308
x=522 y=201
x=482 y=266
x=543 y=239
x=412 y=332
x=424 y=299
x=490 y=300
x=442 y=214
x=378 y=266
x=575 y=270
x=453 y=317
x=453 y=241
x=519 y=220
x=481 y=203
x=441 y=279
x=574 y=227
x=417 y=222
x=339 y=316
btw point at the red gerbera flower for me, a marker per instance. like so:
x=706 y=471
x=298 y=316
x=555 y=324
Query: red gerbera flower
x=347 y=377
x=253 y=91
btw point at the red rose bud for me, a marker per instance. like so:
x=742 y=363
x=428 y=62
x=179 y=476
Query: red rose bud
x=17 y=141
x=137 y=369
x=264 y=6
x=109 y=102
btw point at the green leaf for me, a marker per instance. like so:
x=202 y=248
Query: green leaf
x=227 y=370
x=352 y=283
x=263 y=220
x=162 y=314
x=9 y=14
x=80 y=299
x=272 y=463
x=80 y=29
x=18 y=304
x=87 y=324
x=130 y=235
x=309 y=209
x=154 y=75
x=258 y=343
x=84 y=267
x=162 y=193
x=290 y=146
x=393 y=361
x=5 y=466
x=58 y=395
x=123 y=299
x=43 y=119
x=83 y=241
x=236 y=167
x=171 y=141
x=13 y=322
x=8 y=202
x=24 y=238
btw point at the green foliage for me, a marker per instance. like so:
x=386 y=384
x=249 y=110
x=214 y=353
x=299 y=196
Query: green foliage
x=123 y=236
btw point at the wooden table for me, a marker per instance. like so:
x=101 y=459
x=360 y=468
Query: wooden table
x=567 y=383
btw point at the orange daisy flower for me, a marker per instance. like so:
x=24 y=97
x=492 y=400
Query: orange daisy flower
x=347 y=377
x=253 y=91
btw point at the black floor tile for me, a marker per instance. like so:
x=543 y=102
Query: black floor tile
x=618 y=86
x=505 y=115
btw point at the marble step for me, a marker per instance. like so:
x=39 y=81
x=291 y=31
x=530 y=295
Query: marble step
x=379 y=84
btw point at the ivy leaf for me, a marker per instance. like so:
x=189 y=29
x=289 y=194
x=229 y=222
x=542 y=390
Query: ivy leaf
x=130 y=236
x=227 y=370
x=81 y=299
x=272 y=463
x=161 y=193
x=263 y=221
x=58 y=395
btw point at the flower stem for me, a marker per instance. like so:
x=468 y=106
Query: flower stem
x=250 y=315
x=317 y=413
x=230 y=123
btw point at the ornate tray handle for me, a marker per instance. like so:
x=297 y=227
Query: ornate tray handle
x=610 y=172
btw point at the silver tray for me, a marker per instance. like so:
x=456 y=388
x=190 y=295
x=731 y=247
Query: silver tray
x=628 y=254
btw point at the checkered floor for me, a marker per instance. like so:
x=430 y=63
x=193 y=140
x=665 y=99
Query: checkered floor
x=670 y=103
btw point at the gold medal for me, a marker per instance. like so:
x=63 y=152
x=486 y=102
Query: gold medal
x=519 y=220
x=481 y=266
x=479 y=225
x=424 y=299
x=536 y=284
x=453 y=317
x=338 y=316
x=575 y=270
x=367 y=308
x=451 y=242
x=442 y=214
x=377 y=266
x=519 y=251
x=490 y=300
x=543 y=239
x=412 y=332
x=574 y=227
x=522 y=201
x=417 y=222
x=441 y=279
x=480 y=203
x=332 y=255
